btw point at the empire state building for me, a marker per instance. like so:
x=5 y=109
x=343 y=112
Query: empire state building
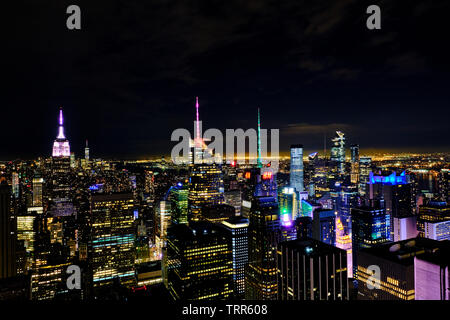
x=61 y=161
x=61 y=147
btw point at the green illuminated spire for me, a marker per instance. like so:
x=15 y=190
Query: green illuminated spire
x=259 y=162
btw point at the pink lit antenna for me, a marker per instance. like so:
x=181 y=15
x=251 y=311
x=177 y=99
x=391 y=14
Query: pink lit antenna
x=198 y=123
x=60 y=116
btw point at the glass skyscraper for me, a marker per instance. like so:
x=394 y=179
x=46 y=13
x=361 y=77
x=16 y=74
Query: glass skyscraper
x=296 y=176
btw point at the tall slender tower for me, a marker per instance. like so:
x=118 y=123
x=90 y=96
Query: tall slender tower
x=338 y=152
x=86 y=151
x=60 y=162
x=259 y=163
x=296 y=172
x=205 y=179
x=61 y=147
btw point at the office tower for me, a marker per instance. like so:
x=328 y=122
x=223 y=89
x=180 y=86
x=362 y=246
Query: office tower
x=354 y=162
x=111 y=250
x=217 y=213
x=73 y=163
x=7 y=233
x=431 y=274
x=205 y=188
x=86 y=152
x=370 y=226
x=296 y=171
x=344 y=198
x=38 y=182
x=15 y=185
x=179 y=199
x=310 y=172
x=234 y=198
x=288 y=204
x=199 y=262
x=288 y=212
x=237 y=235
x=324 y=225
x=396 y=193
x=338 y=152
x=49 y=280
x=395 y=279
x=162 y=220
x=311 y=270
x=303 y=225
x=365 y=168
x=320 y=178
x=433 y=220
x=263 y=235
x=26 y=233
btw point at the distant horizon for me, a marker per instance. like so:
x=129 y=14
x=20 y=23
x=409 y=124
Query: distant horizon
x=283 y=154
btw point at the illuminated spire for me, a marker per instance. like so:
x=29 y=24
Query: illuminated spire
x=259 y=162
x=61 y=128
x=197 y=125
x=61 y=147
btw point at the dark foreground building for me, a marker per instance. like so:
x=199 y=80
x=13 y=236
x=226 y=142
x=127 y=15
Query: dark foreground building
x=311 y=270
x=198 y=262
x=405 y=270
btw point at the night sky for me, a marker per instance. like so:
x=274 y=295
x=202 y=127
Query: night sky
x=129 y=77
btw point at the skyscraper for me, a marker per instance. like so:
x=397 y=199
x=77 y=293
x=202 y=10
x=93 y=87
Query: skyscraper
x=163 y=215
x=178 y=195
x=199 y=262
x=354 y=162
x=311 y=270
x=61 y=147
x=370 y=226
x=395 y=190
x=406 y=270
x=338 y=152
x=324 y=226
x=7 y=233
x=111 y=245
x=60 y=163
x=205 y=188
x=38 y=182
x=296 y=172
x=365 y=167
x=86 y=152
x=264 y=236
x=237 y=235
x=205 y=178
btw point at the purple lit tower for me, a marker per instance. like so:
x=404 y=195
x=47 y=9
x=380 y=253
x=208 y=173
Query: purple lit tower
x=61 y=147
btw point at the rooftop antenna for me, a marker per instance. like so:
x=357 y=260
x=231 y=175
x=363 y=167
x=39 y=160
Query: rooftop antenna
x=259 y=162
